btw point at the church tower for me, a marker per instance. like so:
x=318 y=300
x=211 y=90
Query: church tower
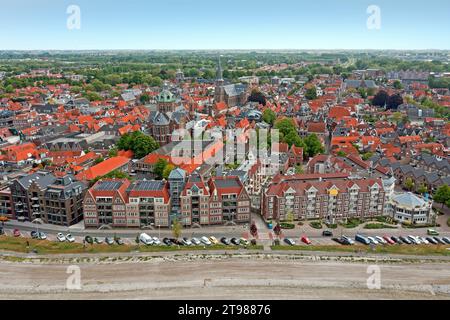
x=219 y=90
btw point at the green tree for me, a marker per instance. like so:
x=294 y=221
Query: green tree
x=397 y=117
x=311 y=93
x=9 y=89
x=442 y=195
x=292 y=138
x=167 y=170
x=313 y=145
x=409 y=184
x=144 y=99
x=290 y=217
x=285 y=126
x=341 y=153
x=269 y=116
x=177 y=228
x=159 y=167
x=422 y=189
x=139 y=143
x=299 y=169
x=398 y=85
x=113 y=152
x=98 y=160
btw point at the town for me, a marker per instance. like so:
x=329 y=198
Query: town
x=228 y=139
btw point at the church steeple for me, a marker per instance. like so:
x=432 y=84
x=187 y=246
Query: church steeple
x=219 y=73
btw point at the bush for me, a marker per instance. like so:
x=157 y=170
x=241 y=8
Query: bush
x=378 y=226
x=253 y=242
x=414 y=226
x=286 y=225
x=331 y=225
x=316 y=224
x=352 y=223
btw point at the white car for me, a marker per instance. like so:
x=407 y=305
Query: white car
x=205 y=240
x=372 y=240
x=381 y=240
x=186 y=242
x=413 y=239
x=195 y=241
x=156 y=241
x=425 y=241
x=70 y=238
x=60 y=237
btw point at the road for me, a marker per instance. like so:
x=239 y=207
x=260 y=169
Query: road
x=199 y=277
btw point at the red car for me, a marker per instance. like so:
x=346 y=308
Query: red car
x=16 y=233
x=306 y=240
x=388 y=240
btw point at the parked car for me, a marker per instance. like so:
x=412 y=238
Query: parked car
x=16 y=233
x=405 y=240
x=61 y=237
x=34 y=235
x=156 y=241
x=412 y=239
x=244 y=242
x=424 y=240
x=380 y=240
x=70 y=238
x=98 y=240
x=432 y=232
x=372 y=240
x=89 y=239
x=362 y=239
x=347 y=241
x=289 y=241
x=388 y=240
x=306 y=240
x=146 y=239
x=186 y=242
x=235 y=241
x=431 y=240
x=225 y=241
x=213 y=240
x=167 y=241
x=42 y=236
x=196 y=241
x=205 y=241
x=119 y=241
x=109 y=241
x=396 y=240
x=446 y=240
x=439 y=240
x=327 y=233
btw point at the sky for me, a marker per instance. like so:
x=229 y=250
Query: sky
x=226 y=24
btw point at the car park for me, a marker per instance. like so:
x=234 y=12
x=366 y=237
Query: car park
x=388 y=240
x=372 y=240
x=305 y=240
x=235 y=241
x=34 y=235
x=423 y=240
x=109 y=241
x=89 y=239
x=42 y=236
x=439 y=240
x=196 y=241
x=16 y=233
x=70 y=238
x=146 y=239
x=413 y=239
x=186 y=242
x=405 y=240
x=362 y=239
x=289 y=241
x=431 y=240
x=213 y=240
x=119 y=241
x=98 y=240
x=446 y=240
x=61 y=237
x=225 y=241
x=205 y=241
x=327 y=233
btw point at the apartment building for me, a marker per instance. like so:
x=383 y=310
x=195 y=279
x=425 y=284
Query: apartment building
x=55 y=200
x=119 y=203
x=332 y=200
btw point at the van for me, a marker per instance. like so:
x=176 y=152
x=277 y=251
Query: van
x=145 y=239
x=362 y=239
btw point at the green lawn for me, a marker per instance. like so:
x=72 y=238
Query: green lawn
x=352 y=223
x=378 y=226
x=53 y=247
x=392 y=249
